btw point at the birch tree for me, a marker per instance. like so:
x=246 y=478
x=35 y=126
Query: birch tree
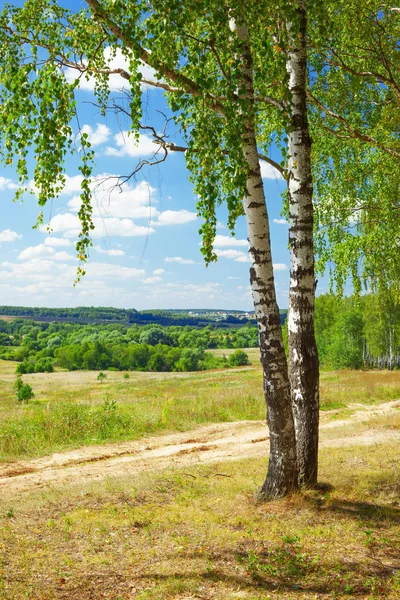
x=235 y=77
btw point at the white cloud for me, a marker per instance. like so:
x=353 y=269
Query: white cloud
x=38 y=269
x=158 y=271
x=110 y=252
x=115 y=81
x=56 y=242
x=233 y=278
x=121 y=202
x=113 y=271
x=189 y=291
x=268 y=171
x=226 y=241
x=127 y=145
x=236 y=255
x=175 y=217
x=7 y=235
x=43 y=251
x=7 y=184
x=72 y=185
x=179 y=260
x=99 y=135
x=280 y=221
x=70 y=226
x=152 y=280
x=280 y=267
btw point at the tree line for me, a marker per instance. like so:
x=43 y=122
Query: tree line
x=38 y=347
x=87 y=314
x=353 y=332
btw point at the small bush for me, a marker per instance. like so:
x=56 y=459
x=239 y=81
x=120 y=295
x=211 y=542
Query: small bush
x=24 y=390
x=238 y=358
x=101 y=376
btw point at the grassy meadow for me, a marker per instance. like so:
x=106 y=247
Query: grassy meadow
x=196 y=532
x=71 y=409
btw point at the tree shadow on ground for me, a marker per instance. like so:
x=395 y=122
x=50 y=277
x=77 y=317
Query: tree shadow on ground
x=286 y=568
x=326 y=582
x=368 y=512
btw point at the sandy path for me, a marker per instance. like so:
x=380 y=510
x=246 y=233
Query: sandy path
x=211 y=443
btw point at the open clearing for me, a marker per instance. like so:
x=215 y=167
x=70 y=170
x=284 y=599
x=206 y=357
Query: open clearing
x=212 y=443
x=168 y=512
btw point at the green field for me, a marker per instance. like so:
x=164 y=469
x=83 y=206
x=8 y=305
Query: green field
x=187 y=530
x=71 y=409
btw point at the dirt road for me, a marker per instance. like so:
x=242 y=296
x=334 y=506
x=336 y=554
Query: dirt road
x=211 y=443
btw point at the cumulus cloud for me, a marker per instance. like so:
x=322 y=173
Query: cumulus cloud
x=268 y=171
x=127 y=145
x=127 y=201
x=152 y=280
x=43 y=251
x=226 y=241
x=110 y=252
x=7 y=184
x=72 y=185
x=99 y=135
x=38 y=269
x=179 y=260
x=70 y=226
x=236 y=255
x=280 y=267
x=158 y=271
x=280 y=221
x=55 y=242
x=7 y=235
x=175 y=217
x=107 y=270
x=115 y=81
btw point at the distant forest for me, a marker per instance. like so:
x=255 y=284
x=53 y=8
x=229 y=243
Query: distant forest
x=91 y=314
x=353 y=332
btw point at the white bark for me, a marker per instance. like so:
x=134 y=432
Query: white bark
x=282 y=475
x=303 y=359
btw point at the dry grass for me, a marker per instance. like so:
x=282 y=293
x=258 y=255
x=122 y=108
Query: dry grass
x=72 y=408
x=199 y=534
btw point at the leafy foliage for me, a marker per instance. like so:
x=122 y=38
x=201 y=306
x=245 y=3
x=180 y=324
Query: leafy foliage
x=23 y=390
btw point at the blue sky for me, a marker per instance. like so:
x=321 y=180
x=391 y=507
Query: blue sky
x=146 y=246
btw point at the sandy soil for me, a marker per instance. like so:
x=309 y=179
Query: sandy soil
x=211 y=443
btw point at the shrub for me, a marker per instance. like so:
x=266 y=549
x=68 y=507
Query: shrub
x=238 y=358
x=101 y=376
x=24 y=390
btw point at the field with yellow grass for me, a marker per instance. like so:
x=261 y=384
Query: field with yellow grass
x=142 y=487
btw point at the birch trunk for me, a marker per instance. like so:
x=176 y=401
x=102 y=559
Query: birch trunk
x=303 y=356
x=282 y=468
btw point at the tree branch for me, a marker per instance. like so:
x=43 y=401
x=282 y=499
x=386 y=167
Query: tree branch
x=188 y=85
x=184 y=83
x=382 y=78
x=355 y=133
x=174 y=148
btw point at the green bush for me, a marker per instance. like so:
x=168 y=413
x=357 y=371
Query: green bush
x=238 y=358
x=24 y=390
